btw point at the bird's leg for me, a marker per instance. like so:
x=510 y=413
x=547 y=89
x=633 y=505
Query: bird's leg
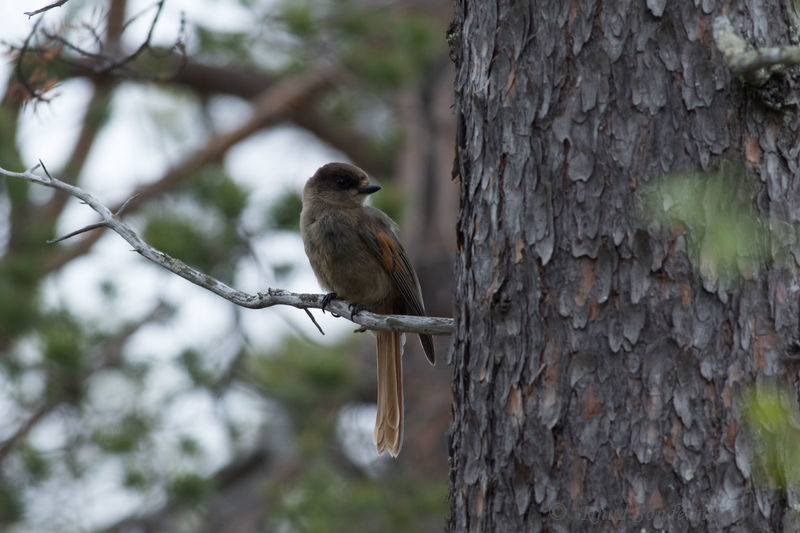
x=326 y=300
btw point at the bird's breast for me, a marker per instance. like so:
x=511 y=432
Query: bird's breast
x=342 y=262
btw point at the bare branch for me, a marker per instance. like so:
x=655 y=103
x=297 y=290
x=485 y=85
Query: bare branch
x=35 y=94
x=142 y=47
x=754 y=65
x=410 y=324
x=107 y=58
x=69 y=46
x=46 y=8
x=247 y=83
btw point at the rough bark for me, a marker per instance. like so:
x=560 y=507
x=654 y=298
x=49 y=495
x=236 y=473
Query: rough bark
x=596 y=375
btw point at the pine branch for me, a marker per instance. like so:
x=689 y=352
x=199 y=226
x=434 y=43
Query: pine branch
x=271 y=106
x=410 y=324
x=109 y=355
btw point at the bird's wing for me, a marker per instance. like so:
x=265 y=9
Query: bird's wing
x=381 y=240
x=379 y=233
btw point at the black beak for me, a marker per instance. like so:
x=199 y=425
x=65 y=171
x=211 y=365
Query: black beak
x=368 y=189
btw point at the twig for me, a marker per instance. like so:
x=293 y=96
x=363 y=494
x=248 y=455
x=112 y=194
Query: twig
x=136 y=16
x=77 y=49
x=84 y=229
x=34 y=94
x=124 y=205
x=44 y=169
x=104 y=62
x=98 y=39
x=142 y=47
x=314 y=320
x=409 y=324
x=46 y=8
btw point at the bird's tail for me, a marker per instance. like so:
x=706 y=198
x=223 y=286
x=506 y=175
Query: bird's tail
x=389 y=421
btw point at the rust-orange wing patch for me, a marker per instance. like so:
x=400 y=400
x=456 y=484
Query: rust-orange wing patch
x=388 y=251
x=392 y=257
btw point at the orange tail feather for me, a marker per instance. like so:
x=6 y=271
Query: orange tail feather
x=389 y=420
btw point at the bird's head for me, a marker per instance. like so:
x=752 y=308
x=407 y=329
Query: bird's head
x=339 y=184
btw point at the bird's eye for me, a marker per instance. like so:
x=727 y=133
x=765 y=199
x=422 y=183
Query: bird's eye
x=341 y=182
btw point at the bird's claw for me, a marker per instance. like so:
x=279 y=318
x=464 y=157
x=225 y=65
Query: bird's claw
x=356 y=308
x=326 y=300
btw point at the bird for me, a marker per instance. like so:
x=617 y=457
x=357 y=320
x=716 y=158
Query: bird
x=356 y=255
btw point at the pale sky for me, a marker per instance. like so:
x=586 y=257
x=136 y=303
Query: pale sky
x=129 y=152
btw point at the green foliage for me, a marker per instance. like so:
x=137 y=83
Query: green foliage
x=98 y=114
x=390 y=199
x=12 y=508
x=189 y=488
x=716 y=211
x=192 y=362
x=178 y=237
x=360 y=106
x=135 y=478
x=109 y=289
x=213 y=187
x=8 y=151
x=19 y=296
x=62 y=344
x=62 y=341
x=33 y=239
x=50 y=359
x=388 y=50
x=772 y=415
x=298 y=18
x=235 y=46
x=311 y=383
x=197 y=244
x=124 y=437
x=282 y=270
x=385 y=47
x=301 y=374
x=189 y=446
x=323 y=500
x=284 y=213
x=203 y=232
x=35 y=462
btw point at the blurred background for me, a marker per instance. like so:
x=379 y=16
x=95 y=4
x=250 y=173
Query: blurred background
x=131 y=400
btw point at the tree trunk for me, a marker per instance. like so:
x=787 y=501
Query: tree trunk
x=597 y=373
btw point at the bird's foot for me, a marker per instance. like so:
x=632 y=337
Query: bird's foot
x=356 y=308
x=326 y=300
